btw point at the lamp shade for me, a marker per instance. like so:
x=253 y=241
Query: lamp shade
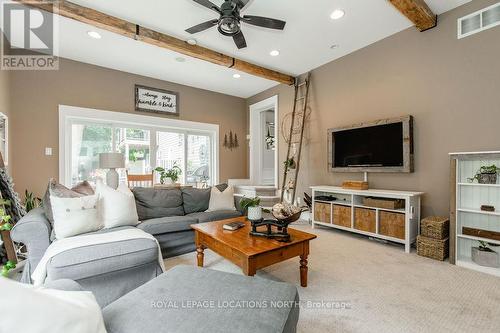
x=111 y=160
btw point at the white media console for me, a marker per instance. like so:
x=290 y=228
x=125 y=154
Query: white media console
x=349 y=213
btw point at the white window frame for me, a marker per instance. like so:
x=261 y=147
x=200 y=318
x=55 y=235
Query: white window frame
x=69 y=115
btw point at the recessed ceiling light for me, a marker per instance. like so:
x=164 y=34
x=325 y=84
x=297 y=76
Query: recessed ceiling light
x=274 y=53
x=192 y=41
x=337 y=14
x=180 y=59
x=94 y=34
x=236 y=76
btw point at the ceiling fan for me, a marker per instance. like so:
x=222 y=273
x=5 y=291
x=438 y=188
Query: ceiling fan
x=229 y=22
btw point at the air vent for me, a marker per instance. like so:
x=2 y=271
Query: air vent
x=479 y=21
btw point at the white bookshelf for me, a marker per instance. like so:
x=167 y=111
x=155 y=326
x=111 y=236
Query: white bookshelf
x=354 y=199
x=466 y=210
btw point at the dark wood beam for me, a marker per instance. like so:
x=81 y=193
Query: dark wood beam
x=418 y=12
x=132 y=30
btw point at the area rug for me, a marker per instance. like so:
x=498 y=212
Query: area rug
x=361 y=285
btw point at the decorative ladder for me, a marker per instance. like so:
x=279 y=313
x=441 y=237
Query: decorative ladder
x=296 y=135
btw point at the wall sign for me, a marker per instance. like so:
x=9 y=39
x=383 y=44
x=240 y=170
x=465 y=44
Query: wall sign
x=156 y=100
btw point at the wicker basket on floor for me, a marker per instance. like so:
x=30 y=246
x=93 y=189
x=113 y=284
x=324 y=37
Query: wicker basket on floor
x=433 y=248
x=435 y=227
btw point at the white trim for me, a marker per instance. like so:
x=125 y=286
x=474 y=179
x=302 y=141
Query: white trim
x=6 y=139
x=255 y=138
x=69 y=114
x=481 y=27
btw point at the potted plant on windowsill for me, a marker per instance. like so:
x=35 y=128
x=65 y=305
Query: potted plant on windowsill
x=486 y=175
x=170 y=176
x=253 y=208
x=483 y=255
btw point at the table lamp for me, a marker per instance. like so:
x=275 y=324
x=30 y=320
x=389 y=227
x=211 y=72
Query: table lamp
x=111 y=161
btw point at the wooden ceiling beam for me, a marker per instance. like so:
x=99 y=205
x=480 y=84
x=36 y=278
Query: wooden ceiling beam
x=134 y=31
x=418 y=12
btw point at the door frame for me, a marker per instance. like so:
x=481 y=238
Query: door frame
x=256 y=138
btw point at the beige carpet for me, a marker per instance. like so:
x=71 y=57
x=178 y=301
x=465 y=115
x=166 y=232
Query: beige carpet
x=388 y=290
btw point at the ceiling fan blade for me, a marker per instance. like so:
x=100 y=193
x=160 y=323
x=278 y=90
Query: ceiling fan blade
x=209 y=5
x=265 y=22
x=239 y=40
x=202 y=26
x=242 y=3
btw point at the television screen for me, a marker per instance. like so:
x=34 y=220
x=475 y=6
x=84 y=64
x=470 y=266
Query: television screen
x=374 y=146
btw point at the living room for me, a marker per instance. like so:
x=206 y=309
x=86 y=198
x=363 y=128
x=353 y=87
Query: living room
x=352 y=144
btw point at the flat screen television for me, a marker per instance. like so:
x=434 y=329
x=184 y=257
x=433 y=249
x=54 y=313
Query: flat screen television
x=380 y=146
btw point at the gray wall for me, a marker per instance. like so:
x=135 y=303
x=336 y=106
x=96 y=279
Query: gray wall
x=450 y=86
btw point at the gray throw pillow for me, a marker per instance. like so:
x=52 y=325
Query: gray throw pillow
x=198 y=199
x=54 y=188
x=195 y=199
x=154 y=203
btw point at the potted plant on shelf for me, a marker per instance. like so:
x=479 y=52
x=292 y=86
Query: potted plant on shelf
x=252 y=206
x=483 y=255
x=171 y=176
x=486 y=175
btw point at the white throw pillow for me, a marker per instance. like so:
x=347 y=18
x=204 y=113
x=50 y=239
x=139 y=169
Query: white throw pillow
x=75 y=216
x=221 y=200
x=39 y=310
x=116 y=207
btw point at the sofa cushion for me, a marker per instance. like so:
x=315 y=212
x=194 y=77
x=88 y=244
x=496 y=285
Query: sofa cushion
x=195 y=199
x=163 y=225
x=215 y=215
x=88 y=261
x=154 y=203
x=152 y=307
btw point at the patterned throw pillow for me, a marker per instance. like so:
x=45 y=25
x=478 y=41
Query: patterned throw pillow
x=60 y=191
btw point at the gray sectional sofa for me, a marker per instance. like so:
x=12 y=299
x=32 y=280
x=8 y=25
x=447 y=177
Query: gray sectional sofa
x=168 y=214
x=114 y=269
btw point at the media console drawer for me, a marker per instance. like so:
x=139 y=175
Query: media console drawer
x=392 y=224
x=323 y=212
x=365 y=219
x=342 y=216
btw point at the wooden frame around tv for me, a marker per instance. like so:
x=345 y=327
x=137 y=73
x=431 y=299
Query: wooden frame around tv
x=408 y=149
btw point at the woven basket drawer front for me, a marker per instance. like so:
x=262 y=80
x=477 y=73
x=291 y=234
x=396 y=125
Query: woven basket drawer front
x=392 y=224
x=342 y=216
x=365 y=219
x=322 y=212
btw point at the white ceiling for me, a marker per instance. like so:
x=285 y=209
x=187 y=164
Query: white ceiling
x=304 y=44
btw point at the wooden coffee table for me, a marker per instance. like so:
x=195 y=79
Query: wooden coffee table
x=251 y=252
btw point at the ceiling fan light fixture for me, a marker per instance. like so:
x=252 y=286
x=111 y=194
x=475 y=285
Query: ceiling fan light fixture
x=229 y=26
x=337 y=14
x=274 y=53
